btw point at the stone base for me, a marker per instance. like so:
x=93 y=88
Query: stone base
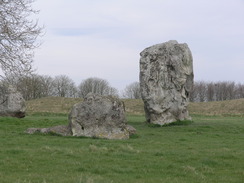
x=64 y=130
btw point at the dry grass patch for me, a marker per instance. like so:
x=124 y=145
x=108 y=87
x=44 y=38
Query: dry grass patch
x=228 y=107
x=51 y=105
x=62 y=105
x=134 y=106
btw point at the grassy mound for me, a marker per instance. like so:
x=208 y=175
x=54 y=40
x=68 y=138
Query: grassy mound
x=228 y=107
x=135 y=106
x=53 y=105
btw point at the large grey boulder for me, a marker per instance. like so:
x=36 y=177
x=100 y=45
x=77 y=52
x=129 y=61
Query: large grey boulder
x=97 y=116
x=166 y=79
x=12 y=104
x=101 y=117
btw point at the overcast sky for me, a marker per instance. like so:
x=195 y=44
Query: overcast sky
x=103 y=38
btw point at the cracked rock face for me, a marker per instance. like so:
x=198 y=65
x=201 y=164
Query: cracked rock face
x=166 y=79
x=99 y=116
x=12 y=104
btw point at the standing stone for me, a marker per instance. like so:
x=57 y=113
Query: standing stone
x=12 y=104
x=166 y=79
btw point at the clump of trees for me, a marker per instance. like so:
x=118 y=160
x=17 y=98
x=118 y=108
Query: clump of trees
x=216 y=91
x=97 y=86
x=37 y=86
x=63 y=86
x=132 y=91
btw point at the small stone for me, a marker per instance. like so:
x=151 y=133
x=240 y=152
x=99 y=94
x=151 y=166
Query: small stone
x=62 y=130
x=131 y=129
x=12 y=104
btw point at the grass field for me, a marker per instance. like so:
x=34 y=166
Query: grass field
x=209 y=150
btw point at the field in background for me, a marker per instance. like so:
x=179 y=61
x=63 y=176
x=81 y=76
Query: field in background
x=210 y=149
x=225 y=108
x=135 y=106
x=57 y=105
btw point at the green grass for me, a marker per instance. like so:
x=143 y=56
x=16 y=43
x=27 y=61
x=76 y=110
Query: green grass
x=210 y=149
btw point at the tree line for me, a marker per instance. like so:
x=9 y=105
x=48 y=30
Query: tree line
x=216 y=91
x=37 y=86
x=201 y=92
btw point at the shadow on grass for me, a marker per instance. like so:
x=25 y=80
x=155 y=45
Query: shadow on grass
x=176 y=123
x=46 y=114
x=134 y=136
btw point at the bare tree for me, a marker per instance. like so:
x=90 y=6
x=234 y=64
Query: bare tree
x=200 y=89
x=96 y=85
x=193 y=94
x=210 y=91
x=47 y=85
x=113 y=91
x=224 y=92
x=240 y=91
x=132 y=91
x=18 y=36
x=30 y=87
x=64 y=86
x=221 y=91
x=73 y=90
x=231 y=90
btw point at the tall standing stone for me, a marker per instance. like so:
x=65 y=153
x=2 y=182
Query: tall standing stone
x=166 y=79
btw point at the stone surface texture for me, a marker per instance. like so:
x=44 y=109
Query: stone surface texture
x=12 y=104
x=62 y=130
x=101 y=117
x=166 y=79
x=97 y=116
